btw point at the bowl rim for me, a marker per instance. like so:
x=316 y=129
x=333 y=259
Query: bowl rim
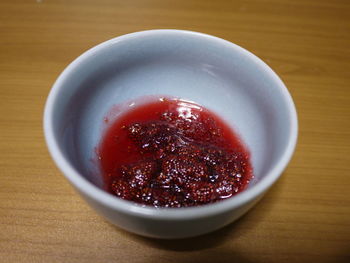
x=186 y=213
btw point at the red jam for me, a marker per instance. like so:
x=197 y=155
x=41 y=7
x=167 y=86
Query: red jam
x=173 y=153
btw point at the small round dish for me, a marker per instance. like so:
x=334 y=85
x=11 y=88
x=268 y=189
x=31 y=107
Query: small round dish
x=210 y=71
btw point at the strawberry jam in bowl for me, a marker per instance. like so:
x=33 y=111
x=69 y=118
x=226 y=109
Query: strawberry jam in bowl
x=172 y=153
x=170 y=133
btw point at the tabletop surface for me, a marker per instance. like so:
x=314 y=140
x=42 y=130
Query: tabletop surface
x=305 y=217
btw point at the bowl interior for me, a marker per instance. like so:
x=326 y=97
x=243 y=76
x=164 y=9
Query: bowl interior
x=212 y=72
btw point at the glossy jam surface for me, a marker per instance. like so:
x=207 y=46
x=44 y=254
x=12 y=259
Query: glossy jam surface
x=172 y=153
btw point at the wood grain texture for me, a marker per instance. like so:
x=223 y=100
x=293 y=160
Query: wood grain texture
x=306 y=215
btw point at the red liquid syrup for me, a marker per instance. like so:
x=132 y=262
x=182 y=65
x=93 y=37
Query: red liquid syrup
x=173 y=153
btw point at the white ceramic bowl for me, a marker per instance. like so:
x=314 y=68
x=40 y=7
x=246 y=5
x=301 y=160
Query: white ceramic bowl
x=213 y=72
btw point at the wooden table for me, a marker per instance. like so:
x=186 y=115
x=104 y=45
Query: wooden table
x=305 y=217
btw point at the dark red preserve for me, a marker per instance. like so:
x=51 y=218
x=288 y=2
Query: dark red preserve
x=173 y=153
